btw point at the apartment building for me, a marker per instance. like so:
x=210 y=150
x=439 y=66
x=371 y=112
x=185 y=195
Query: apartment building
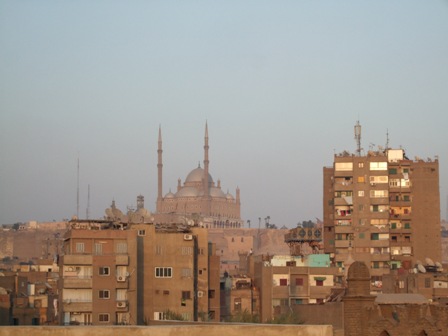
x=98 y=275
x=286 y=281
x=384 y=206
x=178 y=274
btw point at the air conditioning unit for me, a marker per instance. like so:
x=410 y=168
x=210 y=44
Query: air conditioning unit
x=121 y=278
x=188 y=237
x=121 y=304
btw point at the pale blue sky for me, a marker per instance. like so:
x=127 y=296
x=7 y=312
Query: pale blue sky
x=281 y=84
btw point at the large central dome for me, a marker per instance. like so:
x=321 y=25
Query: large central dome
x=196 y=175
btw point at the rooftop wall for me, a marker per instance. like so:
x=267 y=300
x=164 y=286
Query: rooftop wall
x=192 y=330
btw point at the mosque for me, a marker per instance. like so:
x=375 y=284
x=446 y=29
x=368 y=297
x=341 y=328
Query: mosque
x=199 y=200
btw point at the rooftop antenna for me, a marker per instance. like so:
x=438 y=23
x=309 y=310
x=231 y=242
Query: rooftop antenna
x=387 y=139
x=88 y=202
x=358 y=138
x=77 y=192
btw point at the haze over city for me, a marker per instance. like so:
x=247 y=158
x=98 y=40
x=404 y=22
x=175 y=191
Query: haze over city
x=281 y=86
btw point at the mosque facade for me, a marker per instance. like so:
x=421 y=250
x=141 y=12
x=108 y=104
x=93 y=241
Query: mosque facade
x=199 y=200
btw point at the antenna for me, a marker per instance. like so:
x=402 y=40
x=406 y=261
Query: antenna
x=88 y=202
x=358 y=138
x=77 y=192
x=387 y=139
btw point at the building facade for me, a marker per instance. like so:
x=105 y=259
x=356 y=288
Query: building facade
x=178 y=274
x=199 y=198
x=98 y=276
x=384 y=206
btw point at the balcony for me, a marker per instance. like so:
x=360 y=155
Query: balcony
x=342 y=243
x=280 y=291
x=77 y=282
x=77 y=259
x=380 y=257
x=319 y=291
x=379 y=243
x=76 y=306
x=298 y=291
x=122 y=260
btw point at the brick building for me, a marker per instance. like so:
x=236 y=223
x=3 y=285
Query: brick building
x=386 y=207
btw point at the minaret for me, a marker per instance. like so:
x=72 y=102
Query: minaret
x=159 y=172
x=206 y=171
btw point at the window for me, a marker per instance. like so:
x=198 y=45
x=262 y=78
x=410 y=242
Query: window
x=166 y=292
x=211 y=293
x=159 y=316
x=360 y=207
x=299 y=281
x=103 y=317
x=378 y=179
x=141 y=232
x=186 y=295
x=319 y=282
x=375 y=264
x=361 y=235
x=163 y=272
x=186 y=273
x=361 y=179
x=427 y=282
x=79 y=247
x=360 y=164
x=394 y=239
x=360 y=193
x=121 y=248
x=379 y=193
x=393 y=225
x=237 y=305
x=158 y=249
x=406 y=198
x=104 y=270
x=392 y=171
x=104 y=294
x=407 y=225
x=283 y=282
x=98 y=249
x=187 y=250
x=343 y=166
x=378 y=165
x=374 y=236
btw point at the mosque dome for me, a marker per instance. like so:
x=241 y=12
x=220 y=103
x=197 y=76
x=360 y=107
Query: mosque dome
x=229 y=196
x=169 y=195
x=187 y=192
x=216 y=192
x=196 y=175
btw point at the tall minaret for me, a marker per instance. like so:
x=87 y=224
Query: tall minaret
x=159 y=171
x=206 y=170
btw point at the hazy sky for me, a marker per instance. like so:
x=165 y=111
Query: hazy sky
x=280 y=83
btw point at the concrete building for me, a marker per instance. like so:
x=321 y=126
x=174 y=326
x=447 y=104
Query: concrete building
x=386 y=207
x=199 y=199
x=98 y=275
x=286 y=281
x=177 y=273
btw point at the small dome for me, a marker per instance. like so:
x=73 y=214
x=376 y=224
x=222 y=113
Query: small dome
x=229 y=196
x=358 y=270
x=217 y=192
x=187 y=192
x=169 y=195
x=196 y=175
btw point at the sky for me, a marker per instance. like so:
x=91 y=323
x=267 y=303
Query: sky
x=281 y=85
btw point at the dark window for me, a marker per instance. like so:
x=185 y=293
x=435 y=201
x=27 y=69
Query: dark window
x=211 y=293
x=319 y=282
x=186 y=295
x=299 y=281
x=283 y=282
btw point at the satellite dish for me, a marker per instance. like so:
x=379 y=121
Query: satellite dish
x=429 y=262
x=421 y=268
x=415 y=270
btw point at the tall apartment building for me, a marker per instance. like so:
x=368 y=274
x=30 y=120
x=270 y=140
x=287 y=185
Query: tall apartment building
x=98 y=276
x=178 y=272
x=385 y=207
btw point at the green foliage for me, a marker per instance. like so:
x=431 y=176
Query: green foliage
x=244 y=317
x=172 y=316
x=286 y=318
